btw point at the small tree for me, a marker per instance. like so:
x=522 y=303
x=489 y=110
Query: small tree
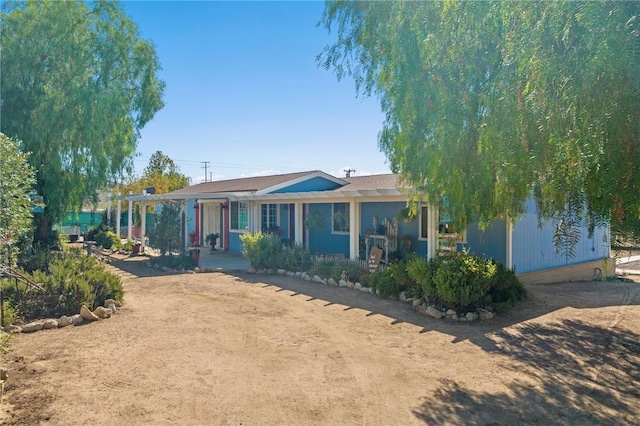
x=16 y=181
x=165 y=235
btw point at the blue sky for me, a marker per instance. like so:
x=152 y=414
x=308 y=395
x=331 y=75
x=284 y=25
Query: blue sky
x=243 y=92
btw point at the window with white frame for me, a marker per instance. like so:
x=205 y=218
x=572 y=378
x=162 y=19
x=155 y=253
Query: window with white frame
x=269 y=217
x=446 y=229
x=340 y=218
x=239 y=216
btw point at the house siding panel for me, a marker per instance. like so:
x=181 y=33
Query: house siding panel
x=533 y=248
x=313 y=184
x=322 y=240
x=235 y=245
x=490 y=243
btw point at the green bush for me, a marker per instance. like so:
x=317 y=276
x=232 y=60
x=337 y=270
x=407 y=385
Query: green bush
x=91 y=233
x=347 y=270
x=71 y=280
x=395 y=279
x=422 y=271
x=108 y=240
x=296 y=258
x=325 y=268
x=264 y=251
x=506 y=290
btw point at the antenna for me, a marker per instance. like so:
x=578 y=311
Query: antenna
x=348 y=171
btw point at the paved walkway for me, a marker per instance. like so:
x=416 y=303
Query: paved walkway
x=221 y=261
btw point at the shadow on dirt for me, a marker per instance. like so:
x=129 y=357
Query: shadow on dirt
x=580 y=374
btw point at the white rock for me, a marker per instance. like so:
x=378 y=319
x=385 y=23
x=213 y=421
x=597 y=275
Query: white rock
x=102 y=313
x=304 y=275
x=86 y=314
x=281 y=271
x=403 y=297
x=433 y=312
x=64 y=321
x=416 y=303
x=12 y=329
x=196 y=269
x=77 y=319
x=290 y=274
x=342 y=283
x=462 y=319
x=33 y=326
x=318 y=279
x=471 y=316
x=451 y=312
x=350 y=284
x=358 y=286
x=308 y=278
x=108 y=302
x=298 y=274
x=331 y=281
x=50 y=323
x=113 y=308
x=485 y=315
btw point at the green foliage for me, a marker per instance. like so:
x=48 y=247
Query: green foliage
x=71 y=279
x=489 y=102
x=180 y=261
x=165 y=234
x=296 y=258
x=506 y=290
x=395 y=279
x=108 y=240
x=78 y=85
x=422 y=272
x=10 y=316
x=91 y=233
x=16 y=182
x=464 y=280
x=264 y=251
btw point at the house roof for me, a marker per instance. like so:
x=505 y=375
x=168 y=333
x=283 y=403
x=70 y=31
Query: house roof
x=275 y=187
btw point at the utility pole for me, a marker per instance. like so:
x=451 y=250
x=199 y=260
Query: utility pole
x=206 y=164
x=348 y=171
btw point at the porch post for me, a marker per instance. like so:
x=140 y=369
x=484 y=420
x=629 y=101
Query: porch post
x=432 y=231
x=130 y=217
x=298 y=223
x=118 y=211
x=108 y=209
x=354 y=229
x=143 y=225
x=509 y=245
x=254 y=225
x=183 y=211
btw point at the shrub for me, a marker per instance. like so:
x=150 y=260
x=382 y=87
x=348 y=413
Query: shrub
x=422 y=271
x=108 y=239
x=91 y=233
x=324 y=268
x=506 y=289
x=395 y=279
x=347 y=270
x=71 y=280
x=296 y=258
x=264 y=251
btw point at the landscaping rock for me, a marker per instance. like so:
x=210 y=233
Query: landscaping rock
x=342 y=283
x=102 y=313
x=290 y=273
x=451 y=312
x=32 y=326
x=308 y=278
x=403 y=297
x=298 y=274
x=331 y=281
x=485 y=315
x=109 y=302
x=358 y=286
x=64 y=321
x=304 y=275
x=317 y=279
x=281 y=271
x=251 y=270
x=433 y=312
x=196 y=269
x=471 y=316
x=350 y=285
x=12 y=329
x=365 y=289
x=86 y=314
x=113 y=308
x=50 y=323
x=416 y=303
x=77 y=319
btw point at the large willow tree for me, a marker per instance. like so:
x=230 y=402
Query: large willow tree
x=491 y=102
x=78 y=84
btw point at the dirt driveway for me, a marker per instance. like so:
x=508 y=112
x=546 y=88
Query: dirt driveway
x=216 y=349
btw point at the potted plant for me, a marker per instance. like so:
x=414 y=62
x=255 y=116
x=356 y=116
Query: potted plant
x=212 y=239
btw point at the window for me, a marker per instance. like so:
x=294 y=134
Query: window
x=269 y=217
x=340 y=218
x=446 y=228
x=239 y=216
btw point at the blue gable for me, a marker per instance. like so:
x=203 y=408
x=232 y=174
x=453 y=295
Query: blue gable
x=314 y=184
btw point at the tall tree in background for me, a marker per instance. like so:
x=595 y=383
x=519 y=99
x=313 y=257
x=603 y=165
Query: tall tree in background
x=16 y=182
x=78 y=84
x=490 y=102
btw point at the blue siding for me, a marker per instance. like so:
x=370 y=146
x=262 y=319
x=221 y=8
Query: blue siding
x=533 y=248
x=322 y=240
x=381 y=211
x=235 y=245
x=492 y=243
x=314 y=184
x=191 y=216
x=284 y=220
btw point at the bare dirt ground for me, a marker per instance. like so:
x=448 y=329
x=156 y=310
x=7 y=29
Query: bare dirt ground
x=218 y=349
